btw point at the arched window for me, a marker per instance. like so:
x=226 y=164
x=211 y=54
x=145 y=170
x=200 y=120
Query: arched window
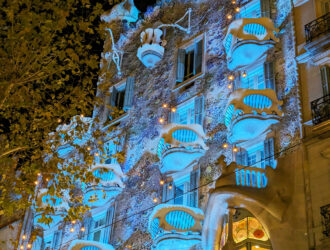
x=242 y=231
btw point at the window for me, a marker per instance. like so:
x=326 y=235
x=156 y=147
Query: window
x=259 y=77
x=101 y=226
x=259 y=155
x=325 y=80
x=122 y=95
x=183 y=191
x=255 y=9
x=56 y=240
x=325 y=6
x=190 y=61
x=189 y=112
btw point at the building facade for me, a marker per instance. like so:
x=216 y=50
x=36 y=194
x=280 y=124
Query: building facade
x=224 y=123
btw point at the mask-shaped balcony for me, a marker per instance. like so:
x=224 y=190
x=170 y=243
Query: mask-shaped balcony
x=151 y=50
x=247 y=40
x=125 y=10
x=250 y=112
x=110 y=185
x=89 y=245
x=175 y=225
x=180 y=145
x=59 y=204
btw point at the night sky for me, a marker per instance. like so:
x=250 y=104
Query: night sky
x=143 y=4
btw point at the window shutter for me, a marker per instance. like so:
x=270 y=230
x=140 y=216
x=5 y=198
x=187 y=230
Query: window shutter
x=237 y=82
x=194 y=179
x=269 y=75
x=269 y=152
x=325 y=80
x=265 y=8
x=168 y=194
x=129 y=93
x=173 y=117
x=91 y=225
x=108 y=221
x=180 y=65
x=113 y=97
x=199 y=109
x=242 y=157
x=198 y=57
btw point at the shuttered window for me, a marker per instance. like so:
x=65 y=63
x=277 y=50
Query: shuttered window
x=266 y=8
x=269 y=152
x=194 y=183
x=122 y=97
x=189 y=61
x=168 y=192
x=325 y=80
x=250 y=10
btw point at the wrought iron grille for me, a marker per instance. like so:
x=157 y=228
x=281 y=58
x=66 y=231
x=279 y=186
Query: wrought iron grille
x=317 y=27
x=325 y=213
x=321 y=109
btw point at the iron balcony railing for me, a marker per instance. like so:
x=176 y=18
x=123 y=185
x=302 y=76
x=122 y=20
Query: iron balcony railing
x=325 y=213
x=321 y=109
x=317 y=27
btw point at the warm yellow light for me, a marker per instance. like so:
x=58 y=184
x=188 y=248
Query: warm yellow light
x=59 y=120
x=73 y=222
x=161 y=120
x=164 y=105
x=88 y=148
x=237 y=9
x=229 y=16
x=231 y=77
x=233 y=2
x=38 y=174
x=229 y=86
x=24 y=237
x=225 y=145
x=22 y=247
x=97 y=154
x=173 y=110
x=82 y=229
x=170 y=186
x=71 y=229
x=47 y=179
x=82 y=116
x=29 y=246
x=36 y=182
x=155 y=200
x=235 y=149
x=244 y=74
x=161 y=182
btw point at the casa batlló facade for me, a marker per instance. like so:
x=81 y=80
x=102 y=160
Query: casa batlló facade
x=225 y=117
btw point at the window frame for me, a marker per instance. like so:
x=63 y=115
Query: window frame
x=185 y=45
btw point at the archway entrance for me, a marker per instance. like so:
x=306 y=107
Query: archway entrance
x=242 y=231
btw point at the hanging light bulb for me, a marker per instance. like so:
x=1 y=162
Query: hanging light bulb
x=36 y=182
x=231 y=77
x=39 y=174
x=82 y=229
x=97 y=154
x=229 y=86
x=24 y=237
x=173 y=110
x=47 y=179
x=73 y=222
x=28 y=246
x=235 y=149
x=170 y=186
x=59 y=120
x=237 y=9
x=164 y=105
x=155 y=200
x=225 y=145
x=21 y=247
x=82 y=116
x=71 y=229
x=88 y=148
x=229 y=16
x=244 y=74
x=161 y=120
x=161 y=182
x=233 y=2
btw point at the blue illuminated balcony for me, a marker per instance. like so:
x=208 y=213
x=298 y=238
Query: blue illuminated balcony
x=250 y=112
x=109 y=186
x=89 y=245
x=248 y=40
x=175 y=226
x=151 y=50
x=180 y=145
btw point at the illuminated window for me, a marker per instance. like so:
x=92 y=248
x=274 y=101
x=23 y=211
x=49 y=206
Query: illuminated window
x=255 y=9
x=247 y=232
x=190 y=60
x=189 y=112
